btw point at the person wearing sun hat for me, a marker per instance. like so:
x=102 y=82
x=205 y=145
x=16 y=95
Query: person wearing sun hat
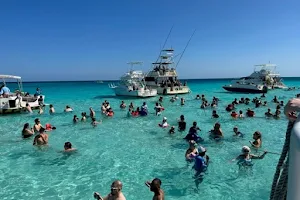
x=245 y=158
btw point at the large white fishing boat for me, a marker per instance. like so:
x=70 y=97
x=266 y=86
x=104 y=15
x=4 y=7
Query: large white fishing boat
x=164 y=77
x=133 y=84
x=12 y=102
x=262 y=79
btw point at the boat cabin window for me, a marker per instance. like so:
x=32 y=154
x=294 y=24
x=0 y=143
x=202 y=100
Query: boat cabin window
x=149 y=79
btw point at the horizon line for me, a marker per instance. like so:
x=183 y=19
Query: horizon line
x=118 y=80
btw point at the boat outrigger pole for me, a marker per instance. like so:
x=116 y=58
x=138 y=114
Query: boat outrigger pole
x=165 y=43
x=185 y=48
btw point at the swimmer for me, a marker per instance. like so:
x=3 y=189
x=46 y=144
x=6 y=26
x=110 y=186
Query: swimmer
x=257 y=140
x=83 y=116
x=244 y=159
x=115 y=192
x=277 y=114
x=41 y=138
x=200 y=166
x=164 y=122
x=192 y=151
x=92 y=113
x=265 y=103
x=157 y=109
x=241 y=115
x=214 y=114
x=27 y=132
x=198 y=97
x=161 y=99
x=250 y=113
x=68 y=147
x=234 y=115
x=237 y=133
x=75 y=119
x=268 y=113
x=122 y=105
x=181 y=123
x=103 y=108
x=217 y=132
x=193 y=135
x=172 y=130
x=275 y=100
x=281 y=103
x=182 y=101
x=131 y=106
x=144 y=107
x=49 y=127
x=95 y=123
x=51 y=110
x=41 y=111
x=28 y=108
x=37 y=126
x=68 y=109
x=155 y=187
x=172 y=99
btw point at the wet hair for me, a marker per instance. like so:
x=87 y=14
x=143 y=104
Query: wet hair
x=41 y=130
x=182 y=117
x=51 y=106
x=194 y=123
x=26 y=126
x=36 y=120
x=258 y=134
x=27 y=104
x=241 y=112
x=155 y=185
x=68 y=145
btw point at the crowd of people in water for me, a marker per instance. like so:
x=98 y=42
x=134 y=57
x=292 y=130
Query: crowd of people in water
x=196 y=153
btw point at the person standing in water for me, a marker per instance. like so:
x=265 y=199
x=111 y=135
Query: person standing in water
x=41 y=138
x=51 y=110
x=115 y=192
x=200 y=166
x=92 y=113
x=257 y=140
x=155 y=187
x=245 y=158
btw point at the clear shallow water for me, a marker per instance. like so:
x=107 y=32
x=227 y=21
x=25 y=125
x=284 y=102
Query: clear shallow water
x=135 y=149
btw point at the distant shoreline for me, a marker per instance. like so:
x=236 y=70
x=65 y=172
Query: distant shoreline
x=104 y=81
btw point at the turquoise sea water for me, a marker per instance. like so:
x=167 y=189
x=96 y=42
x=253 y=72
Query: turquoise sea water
x=135 y=149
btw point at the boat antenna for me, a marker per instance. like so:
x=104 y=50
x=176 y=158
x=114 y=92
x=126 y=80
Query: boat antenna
x=165 y=43
x=185 y=48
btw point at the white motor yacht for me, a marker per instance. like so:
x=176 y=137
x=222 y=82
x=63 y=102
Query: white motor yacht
x=263 y=78
x=163 y=76
x=16 y=101
x=132 y=84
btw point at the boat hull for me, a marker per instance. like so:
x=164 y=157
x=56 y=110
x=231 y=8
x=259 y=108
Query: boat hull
x=245 y=90
x=173 y=91
x=13 y=105
x=135 y=93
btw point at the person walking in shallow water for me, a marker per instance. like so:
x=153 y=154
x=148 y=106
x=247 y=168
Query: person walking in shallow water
x=115 y=194
x=155 y=187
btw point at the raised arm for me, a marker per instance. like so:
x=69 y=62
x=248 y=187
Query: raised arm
x=259 y=156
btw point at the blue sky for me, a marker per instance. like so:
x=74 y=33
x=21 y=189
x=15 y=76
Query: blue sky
x=93 y=40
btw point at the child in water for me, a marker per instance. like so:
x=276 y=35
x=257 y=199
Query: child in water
x=172 y=130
